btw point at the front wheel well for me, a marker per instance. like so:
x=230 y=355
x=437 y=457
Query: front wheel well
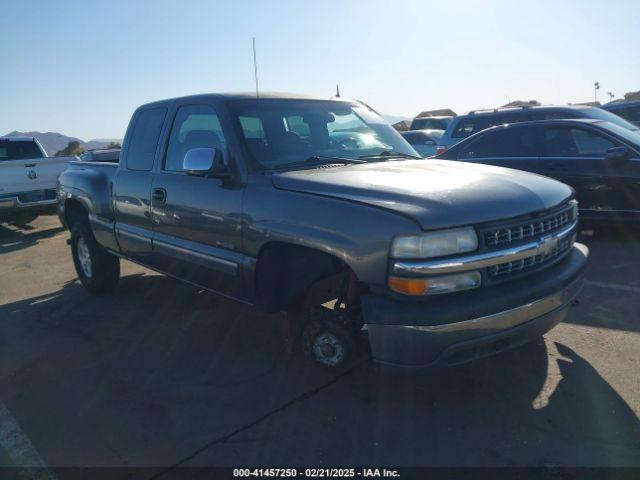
x=74 y=211
x=291 y=277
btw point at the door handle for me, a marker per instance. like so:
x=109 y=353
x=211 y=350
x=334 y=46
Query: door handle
x=159 y=195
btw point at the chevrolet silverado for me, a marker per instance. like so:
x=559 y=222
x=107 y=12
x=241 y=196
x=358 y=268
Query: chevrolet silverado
x=269 y=200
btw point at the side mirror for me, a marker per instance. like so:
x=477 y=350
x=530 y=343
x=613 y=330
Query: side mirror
x=205 y=162
x=617 y=155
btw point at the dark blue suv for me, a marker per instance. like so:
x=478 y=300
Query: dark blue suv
x=629 y=110
x=473 y=122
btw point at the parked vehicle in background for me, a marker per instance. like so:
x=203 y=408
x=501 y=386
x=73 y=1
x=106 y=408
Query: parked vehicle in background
x=27 y=179
x=473 y=122
x=431 y=123
x=425 y=142
x=254 y=199
x=599 y=159
x=101 y=155
x=629 y=110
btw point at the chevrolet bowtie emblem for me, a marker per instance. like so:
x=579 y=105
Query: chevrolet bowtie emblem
x=547 y=244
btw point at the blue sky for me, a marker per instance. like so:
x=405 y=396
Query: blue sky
x=81 y=67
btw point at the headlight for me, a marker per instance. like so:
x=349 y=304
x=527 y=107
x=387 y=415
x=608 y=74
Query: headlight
x=574 y=204
x=435 y=244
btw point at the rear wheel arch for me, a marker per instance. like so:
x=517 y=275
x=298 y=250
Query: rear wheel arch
x=97 y=269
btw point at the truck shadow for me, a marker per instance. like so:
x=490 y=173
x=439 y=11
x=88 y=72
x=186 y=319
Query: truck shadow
x=542 y=404
x=158 y=359
x=610 y=298
x=13 y=238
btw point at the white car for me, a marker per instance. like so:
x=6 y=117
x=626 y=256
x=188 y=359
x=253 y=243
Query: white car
x=28 y=179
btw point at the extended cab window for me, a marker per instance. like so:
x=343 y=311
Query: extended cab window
x=144 y=139
x=512 y=142
x=195 y=126
x=574 y=142
x=18 y=150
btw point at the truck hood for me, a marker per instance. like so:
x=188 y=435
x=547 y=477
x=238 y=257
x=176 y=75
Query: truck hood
x=435 y=193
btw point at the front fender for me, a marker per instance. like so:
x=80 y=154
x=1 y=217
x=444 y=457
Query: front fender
x=359 y=235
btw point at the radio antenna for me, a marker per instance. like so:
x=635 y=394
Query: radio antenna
x=255 y=66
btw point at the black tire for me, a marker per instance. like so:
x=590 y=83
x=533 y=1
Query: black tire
x=331 y=345
x=104 y=269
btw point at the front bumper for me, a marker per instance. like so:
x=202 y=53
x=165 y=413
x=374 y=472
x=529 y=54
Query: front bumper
x=458 y=328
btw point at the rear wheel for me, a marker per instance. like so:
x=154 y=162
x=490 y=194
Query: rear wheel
x=98 y=270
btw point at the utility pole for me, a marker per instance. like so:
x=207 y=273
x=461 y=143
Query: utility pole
x=596 y=87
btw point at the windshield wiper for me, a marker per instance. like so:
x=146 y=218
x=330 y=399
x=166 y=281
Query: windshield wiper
x=317 y=160
x=321 y=160
x=389 y=154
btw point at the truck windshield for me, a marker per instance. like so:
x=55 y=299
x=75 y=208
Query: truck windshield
x=284 y=133
x=18 y=150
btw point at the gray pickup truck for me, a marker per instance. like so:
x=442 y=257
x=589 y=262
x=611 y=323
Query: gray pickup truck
x=319 y=209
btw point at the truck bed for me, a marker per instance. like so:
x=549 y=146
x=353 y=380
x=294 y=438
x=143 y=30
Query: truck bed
x=30 y=175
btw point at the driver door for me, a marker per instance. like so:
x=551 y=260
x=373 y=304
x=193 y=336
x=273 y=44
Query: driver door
x=197 y=220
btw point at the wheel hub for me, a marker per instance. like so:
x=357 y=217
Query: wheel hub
x=328 y=349
x=84 y=257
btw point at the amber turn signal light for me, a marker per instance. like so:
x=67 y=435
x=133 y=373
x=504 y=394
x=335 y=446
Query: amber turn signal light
x=408 y=286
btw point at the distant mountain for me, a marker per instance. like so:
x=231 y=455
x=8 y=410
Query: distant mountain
x=54 y=141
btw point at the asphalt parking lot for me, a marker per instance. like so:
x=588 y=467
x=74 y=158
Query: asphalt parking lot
x=160 y=374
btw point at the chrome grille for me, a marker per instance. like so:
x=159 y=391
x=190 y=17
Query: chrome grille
x=524 y=230
x=531 y=262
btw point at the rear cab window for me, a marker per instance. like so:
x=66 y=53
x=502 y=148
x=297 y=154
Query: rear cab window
x=144 y=138
x=18 y=150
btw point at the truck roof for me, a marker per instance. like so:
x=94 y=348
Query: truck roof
x=248 y=96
